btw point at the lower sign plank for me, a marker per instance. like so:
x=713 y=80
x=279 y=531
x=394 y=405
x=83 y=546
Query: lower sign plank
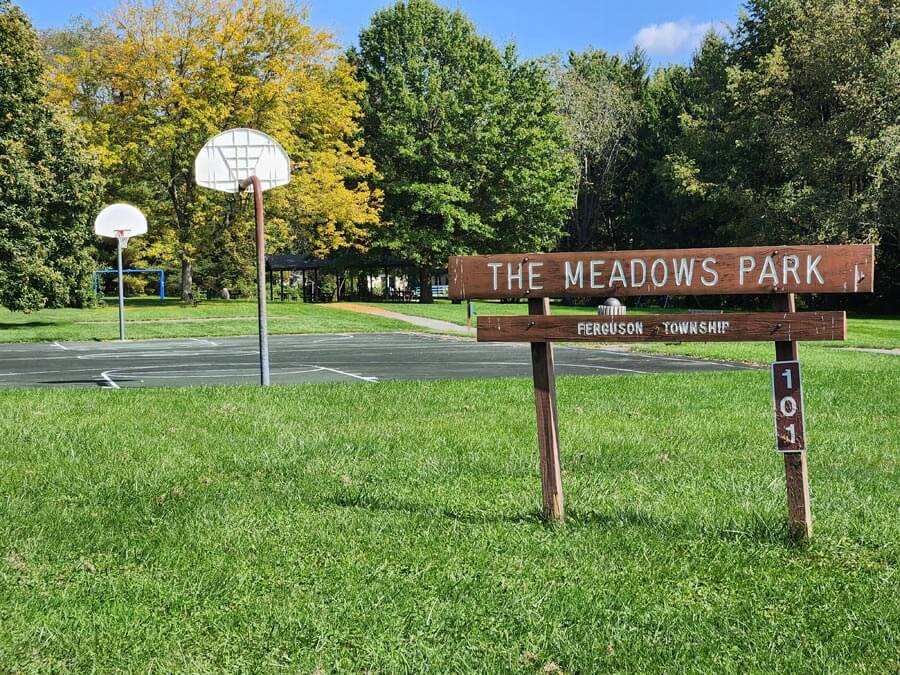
x=763 y=326
x=787 y=393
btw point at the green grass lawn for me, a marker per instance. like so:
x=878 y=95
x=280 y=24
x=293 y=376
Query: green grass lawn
x=862 y=331
x=176 y=319
x=394 y=527
x=445 y=310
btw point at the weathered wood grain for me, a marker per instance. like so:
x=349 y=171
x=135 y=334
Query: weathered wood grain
x=547 y=421
x=733 y=327
x=699 y=271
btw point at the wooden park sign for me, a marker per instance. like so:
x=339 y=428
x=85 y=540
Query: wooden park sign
x=779 y=271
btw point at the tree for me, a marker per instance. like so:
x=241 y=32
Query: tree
x=47 y=183
x=467 y=140
x=160 y=79
x=533 y=176
x=601 y=101
x=791 y=129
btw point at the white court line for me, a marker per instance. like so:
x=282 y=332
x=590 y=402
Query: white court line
x=161 y=355
x=147 y=372
x=47 y=372
x=109 y=380
x=205 y=341
x=247 y=372
x=341 y=372
x=333 y=338
x=35 y=357
x=56 y=344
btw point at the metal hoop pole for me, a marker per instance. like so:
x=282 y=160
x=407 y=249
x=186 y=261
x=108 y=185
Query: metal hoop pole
x=264 y=376
x=121 y=292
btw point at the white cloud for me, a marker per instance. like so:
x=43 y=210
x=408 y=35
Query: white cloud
x=672 y=37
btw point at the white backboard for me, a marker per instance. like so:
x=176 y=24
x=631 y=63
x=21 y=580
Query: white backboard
x=236 y=154
x=120 y=220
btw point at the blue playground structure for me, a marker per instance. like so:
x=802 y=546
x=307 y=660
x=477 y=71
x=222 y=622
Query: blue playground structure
x=161 y=273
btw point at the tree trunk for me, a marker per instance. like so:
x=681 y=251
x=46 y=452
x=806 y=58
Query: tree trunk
x=362 y=286
x=425 y=295
x=187 y=281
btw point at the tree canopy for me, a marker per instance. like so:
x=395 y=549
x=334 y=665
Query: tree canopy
x=785 y=131
x=427 y=140
x=158 y=80
x=470 y=148
x=48 y=183
x=790 y=131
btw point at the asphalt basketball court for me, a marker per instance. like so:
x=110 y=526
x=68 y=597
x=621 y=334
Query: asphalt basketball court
x=363 y=358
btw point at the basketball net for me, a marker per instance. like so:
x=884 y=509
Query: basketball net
x=122 y=236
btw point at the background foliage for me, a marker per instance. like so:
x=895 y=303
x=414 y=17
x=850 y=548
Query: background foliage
x=48 y=183
x=157 y=80
x=467 y=139
x=786 y=130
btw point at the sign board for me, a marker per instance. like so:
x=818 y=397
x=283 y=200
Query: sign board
x=752 y=326
x=779 y=271
x=787 y=396
x=697 y=271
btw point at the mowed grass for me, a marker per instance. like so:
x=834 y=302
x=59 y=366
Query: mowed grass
x=445 y=310
x=863 y=331
x=395 y=527
x=150 y=318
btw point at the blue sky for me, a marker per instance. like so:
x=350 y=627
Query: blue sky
x=668 y=31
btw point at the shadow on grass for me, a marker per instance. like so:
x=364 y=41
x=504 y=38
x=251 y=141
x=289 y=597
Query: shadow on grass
x=18 y=325
x=766 y=531
x=761 y=531
x=575 y=518
x=362 y=501
x=624 y=517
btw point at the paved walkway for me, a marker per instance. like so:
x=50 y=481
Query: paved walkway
x=872 y=350
x=422 y=322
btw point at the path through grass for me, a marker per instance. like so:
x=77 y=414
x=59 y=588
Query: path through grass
x=148 y=318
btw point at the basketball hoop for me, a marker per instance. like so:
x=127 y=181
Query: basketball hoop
x=120 y=222
x=235 y=155
x=233 y=161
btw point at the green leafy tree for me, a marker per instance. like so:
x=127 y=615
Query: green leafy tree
x=532 y=182
x=158 y=79
x=466 y=139
x=48 y=184
x=601 y=99
x=790 y=132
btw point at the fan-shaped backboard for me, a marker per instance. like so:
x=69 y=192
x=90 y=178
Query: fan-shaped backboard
x=236 y=154
x=120 y=220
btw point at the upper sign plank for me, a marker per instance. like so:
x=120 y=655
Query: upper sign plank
x=693 y=271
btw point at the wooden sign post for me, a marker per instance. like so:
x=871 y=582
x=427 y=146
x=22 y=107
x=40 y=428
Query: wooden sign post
x=547 y=421
x=796 y=471
x=776 y=271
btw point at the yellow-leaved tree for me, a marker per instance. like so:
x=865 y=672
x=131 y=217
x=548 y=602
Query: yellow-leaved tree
x=156 y=80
